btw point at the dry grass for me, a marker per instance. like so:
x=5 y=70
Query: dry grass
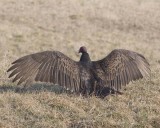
x=28 y=26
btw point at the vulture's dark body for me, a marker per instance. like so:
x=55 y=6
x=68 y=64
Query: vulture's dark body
x=86 y=76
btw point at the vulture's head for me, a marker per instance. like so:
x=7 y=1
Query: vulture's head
x=82 y=49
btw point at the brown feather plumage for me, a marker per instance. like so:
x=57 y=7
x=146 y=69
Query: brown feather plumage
x=122 y=66
x=86 y=76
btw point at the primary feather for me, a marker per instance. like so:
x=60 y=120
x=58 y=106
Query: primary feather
x=86 y=76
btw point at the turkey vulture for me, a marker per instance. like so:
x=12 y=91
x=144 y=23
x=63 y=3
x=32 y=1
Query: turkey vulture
x=85 y=76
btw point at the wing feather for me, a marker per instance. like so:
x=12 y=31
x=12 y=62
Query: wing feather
x=47 y=66
x=52 y=75
x=120 y=67
x=29 y=74
x=46 y=73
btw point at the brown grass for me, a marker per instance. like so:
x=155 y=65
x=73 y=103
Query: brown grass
x=29 y=26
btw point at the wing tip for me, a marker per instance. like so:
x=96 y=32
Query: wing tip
x=10 y=69
x=11 y=75
x=16 y=61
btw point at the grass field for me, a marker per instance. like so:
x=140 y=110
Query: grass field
x=29 y=26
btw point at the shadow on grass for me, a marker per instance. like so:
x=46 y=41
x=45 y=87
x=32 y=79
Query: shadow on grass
x=35 y=88
x=31 y=89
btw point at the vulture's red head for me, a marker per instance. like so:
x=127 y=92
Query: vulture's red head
x=82 y=49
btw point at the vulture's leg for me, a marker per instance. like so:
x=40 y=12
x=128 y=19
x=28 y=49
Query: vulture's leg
x=83 y=89
x=89 y=87
x=93 y=89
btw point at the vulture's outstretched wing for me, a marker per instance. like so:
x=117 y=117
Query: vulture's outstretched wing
x=47 y=66
x=120 y=67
